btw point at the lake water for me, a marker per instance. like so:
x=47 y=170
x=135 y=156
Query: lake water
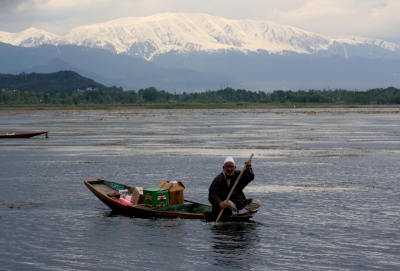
x=328 y=181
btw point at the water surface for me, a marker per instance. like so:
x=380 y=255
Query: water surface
x=327 y=180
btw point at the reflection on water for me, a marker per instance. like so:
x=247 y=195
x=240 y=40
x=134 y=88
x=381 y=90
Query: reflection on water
x=233 y=242
x=105 y=214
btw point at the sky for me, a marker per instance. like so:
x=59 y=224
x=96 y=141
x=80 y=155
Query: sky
x=333 y=18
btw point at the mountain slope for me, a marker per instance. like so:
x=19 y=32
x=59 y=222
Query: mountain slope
x=179 y=73
x=186 y=33
x=106 y=68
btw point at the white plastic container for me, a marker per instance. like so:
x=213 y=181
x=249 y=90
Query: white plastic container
x=123 y=192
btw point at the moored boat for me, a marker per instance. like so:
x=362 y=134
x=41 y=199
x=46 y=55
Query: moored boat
x=107 y=192
x=25 y=135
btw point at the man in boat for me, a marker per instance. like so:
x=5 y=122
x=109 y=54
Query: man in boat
x=222 y=184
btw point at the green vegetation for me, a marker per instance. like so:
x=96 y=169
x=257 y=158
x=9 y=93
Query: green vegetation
x=63 y=81
x=68 y=88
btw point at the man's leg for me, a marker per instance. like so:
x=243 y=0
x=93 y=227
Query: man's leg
x=254 y=206
x=232 y=206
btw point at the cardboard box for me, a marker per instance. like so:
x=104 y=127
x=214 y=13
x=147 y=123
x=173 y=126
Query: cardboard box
x=137 y=195
x=175 y=191
x=155 y=196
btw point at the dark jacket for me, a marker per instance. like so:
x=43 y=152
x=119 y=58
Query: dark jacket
x=219 y=191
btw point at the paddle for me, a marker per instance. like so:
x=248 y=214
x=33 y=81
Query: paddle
x=233 y=187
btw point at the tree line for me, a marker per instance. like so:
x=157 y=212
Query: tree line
x=69 y=88
x=387 y=96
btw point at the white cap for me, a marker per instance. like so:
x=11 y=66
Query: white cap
x=229 y=159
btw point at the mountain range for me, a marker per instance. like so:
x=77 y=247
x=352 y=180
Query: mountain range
x=198 y=52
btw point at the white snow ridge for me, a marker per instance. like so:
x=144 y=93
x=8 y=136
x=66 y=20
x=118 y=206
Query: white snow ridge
x=194 y=32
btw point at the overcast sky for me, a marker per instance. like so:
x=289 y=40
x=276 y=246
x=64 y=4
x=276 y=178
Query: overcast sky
x=333 y=18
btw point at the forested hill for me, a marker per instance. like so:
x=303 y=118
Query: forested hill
x=62 y=81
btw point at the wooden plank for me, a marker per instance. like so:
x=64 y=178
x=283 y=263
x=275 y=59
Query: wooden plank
x=104 y=189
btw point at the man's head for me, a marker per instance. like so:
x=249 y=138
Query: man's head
x=229 y=165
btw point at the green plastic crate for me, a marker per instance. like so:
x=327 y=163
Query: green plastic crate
x=155 y=196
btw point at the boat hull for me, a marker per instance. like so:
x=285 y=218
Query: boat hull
x=188 y=210
x=25 y=135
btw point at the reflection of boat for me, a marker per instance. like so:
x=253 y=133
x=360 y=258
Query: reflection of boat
x=107 y=192
x=25 y=135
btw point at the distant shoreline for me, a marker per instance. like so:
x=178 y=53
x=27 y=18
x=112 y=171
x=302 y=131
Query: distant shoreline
x=191 y=106
x=181 y=111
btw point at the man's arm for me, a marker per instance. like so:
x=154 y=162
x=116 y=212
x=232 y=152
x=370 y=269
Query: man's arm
x=247 y=177
x=214 y=196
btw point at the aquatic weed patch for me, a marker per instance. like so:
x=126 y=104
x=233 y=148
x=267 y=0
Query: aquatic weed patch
x=19 y=205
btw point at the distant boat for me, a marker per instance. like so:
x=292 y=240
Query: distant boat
x=107 y=192
x=25 y=135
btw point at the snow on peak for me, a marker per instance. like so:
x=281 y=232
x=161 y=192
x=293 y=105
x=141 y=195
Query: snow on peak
x=30 y=37
x=181 y=32
x=187 y=32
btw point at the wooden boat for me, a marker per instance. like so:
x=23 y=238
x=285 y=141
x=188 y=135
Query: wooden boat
x=25 y=135
x=107 y=192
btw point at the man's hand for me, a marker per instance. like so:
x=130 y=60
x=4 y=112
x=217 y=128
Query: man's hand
x=223 y=205
x=248 y=165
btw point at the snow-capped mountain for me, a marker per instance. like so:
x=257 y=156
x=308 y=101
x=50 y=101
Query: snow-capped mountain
x=198 y=52
x=185 y=33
